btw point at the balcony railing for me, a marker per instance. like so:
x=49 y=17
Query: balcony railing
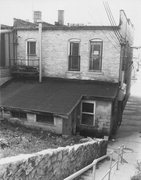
x=25 y=66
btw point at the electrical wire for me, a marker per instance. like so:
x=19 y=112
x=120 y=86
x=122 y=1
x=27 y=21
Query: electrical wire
x=114 y=42
x=111 y=21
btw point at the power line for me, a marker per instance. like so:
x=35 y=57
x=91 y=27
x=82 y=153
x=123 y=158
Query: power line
x=111 y=21
x=113 y=38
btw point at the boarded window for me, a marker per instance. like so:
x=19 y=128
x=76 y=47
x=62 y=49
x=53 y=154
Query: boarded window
x=45 y=118
x=95 y=55
x=31 y=48
x=74 y=58
x=88 y=113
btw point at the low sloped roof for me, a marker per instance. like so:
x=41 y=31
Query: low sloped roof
x=20 y=24
x=54 y=96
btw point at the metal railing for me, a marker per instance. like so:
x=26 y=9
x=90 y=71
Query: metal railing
x=94 y=163
x=32 y=62
x=30 y=65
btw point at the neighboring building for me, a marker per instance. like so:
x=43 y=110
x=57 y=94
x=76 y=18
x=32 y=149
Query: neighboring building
x=86 y=76
x=6 y=52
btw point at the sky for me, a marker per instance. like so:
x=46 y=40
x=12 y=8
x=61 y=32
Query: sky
x=90 y=12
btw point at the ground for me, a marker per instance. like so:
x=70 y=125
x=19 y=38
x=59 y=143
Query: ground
x=16 y=139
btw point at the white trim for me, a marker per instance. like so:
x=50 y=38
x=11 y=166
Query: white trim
x=94 y=107
x=92 y=42
x=75 y=40
x=34 y=55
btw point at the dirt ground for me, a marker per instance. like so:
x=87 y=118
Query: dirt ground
x=16 y=139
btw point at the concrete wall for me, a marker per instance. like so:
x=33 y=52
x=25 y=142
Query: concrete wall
x=51 y=164
x=55 y=128
x=55 y=49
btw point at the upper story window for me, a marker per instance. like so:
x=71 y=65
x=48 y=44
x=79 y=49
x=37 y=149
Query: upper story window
x=96 y=46
x=31 y=47
x=74 y=55
x=88 y=113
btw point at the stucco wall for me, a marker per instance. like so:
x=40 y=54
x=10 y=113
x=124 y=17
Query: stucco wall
x=55 y=49
x=57 y=127
x=103 y=116
x=51 y=164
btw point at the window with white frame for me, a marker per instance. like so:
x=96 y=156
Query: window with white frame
x=74 y=55
x=88 y=113
x=96 y=46
x=31 y=48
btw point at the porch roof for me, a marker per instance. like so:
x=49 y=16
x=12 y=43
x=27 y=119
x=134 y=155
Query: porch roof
x=52 y=95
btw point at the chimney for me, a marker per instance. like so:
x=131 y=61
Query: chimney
x=37 y=16
x=61 y=17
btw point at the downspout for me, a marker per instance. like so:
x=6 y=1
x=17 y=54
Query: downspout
x=122 y=44
x=40 y=52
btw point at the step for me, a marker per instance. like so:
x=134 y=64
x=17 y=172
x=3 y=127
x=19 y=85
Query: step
x=131 y=118
x=131 y=124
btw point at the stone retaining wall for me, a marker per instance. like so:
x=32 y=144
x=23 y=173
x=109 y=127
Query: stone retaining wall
x=51 y=164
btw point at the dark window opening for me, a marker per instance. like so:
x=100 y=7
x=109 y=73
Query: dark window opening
x=88 y=113
x=2 y=50
x=74 y=58
x=87 y=107
x=45 y=118
x=18 y=114
x=87 y=119
x=31 y=48
x=95 y=55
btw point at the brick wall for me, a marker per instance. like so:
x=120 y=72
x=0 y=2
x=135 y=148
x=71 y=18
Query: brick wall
x=51 y=164
x=55 y=49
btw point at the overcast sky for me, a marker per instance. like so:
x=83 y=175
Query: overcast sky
x=90 y=12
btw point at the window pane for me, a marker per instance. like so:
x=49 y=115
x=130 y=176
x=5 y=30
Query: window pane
x=45 y=118
x=74 y=58
x=75 y=49
x=95 y=55
x=87 y=119
x=74 y=62
x=15 y=114
x=23 y=115
x=32 y=48
x=87 y=107
x=28 y=47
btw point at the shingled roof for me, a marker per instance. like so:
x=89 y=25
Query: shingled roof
x=53 y=95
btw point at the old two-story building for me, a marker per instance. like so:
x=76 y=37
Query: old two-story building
x=85 y=73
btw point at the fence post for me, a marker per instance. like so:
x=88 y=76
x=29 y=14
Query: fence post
x=118 y=158
x=122 y=154
x=94 y=170
x=111 y=158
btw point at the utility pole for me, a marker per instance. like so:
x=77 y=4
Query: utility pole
x=40 y=52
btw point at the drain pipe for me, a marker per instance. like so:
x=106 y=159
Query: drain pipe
x=40 y=52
